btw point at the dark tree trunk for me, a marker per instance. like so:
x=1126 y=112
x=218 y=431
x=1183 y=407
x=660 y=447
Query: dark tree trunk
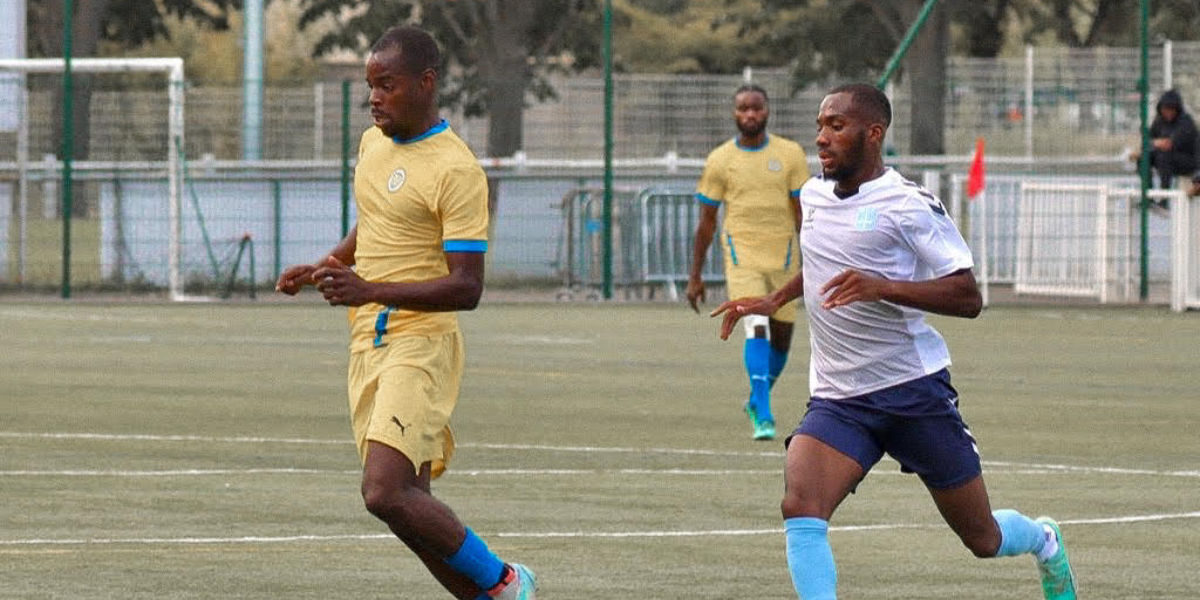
x=926 y=71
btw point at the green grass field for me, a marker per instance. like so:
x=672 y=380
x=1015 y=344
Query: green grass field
x=202 y=451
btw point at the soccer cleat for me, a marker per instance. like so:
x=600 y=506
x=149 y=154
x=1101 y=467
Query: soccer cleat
x=763 y=429
x=1058 y=581
x=519 y=584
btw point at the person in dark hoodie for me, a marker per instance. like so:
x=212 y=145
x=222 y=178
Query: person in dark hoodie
x=1172 y=140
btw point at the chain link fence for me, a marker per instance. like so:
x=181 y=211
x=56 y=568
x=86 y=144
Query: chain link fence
x=1062 y=111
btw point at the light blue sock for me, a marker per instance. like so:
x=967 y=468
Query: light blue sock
x=476 y=562
x=777 y=360
x=810 y=559
x=757 y=355
x=1018 y=534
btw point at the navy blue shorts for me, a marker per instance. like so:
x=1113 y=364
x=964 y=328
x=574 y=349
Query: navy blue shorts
x=916 y=422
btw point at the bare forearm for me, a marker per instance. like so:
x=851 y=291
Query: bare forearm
x=458 y=290
x=955 y=295
x=791 y=290
x=700 y=252
x=344 y=250
x=705 y=230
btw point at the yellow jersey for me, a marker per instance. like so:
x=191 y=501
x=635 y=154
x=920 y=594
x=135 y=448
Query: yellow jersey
x=760 y=189
x=417 y=199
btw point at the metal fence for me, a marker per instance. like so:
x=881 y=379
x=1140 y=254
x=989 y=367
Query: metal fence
x=1051 y=102
x=1067 y=113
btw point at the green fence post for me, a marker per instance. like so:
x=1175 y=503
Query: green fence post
x=608 y=149
x=345 y=157
x=68 y=146
x=1144 y=163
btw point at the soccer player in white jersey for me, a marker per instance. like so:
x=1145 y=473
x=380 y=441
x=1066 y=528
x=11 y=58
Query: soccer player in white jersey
x=418 y=252
x=878 y=251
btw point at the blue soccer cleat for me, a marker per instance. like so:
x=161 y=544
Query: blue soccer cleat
x=520 y=584
x=764 y=429
x=1058 y=581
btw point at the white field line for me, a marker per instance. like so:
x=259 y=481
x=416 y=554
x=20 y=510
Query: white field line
x=451 y=473
x=167 y=472
x=303 y=471
x=1120 y=520
x=1030 y=467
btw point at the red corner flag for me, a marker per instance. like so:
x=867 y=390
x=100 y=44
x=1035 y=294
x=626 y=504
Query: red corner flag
x=975 y=175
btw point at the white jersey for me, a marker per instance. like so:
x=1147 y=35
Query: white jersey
x=894 y=229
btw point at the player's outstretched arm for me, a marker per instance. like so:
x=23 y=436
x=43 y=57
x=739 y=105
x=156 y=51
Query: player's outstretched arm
x=955 y=295
x=295 y=277
x=734 y=310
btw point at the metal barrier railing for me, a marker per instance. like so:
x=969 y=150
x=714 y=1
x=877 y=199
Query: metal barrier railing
x=653 y=235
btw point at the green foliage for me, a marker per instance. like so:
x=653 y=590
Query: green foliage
x=707 y=37
x=1176 y=20
x=358 y=23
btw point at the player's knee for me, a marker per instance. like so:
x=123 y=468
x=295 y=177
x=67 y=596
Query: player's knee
x=983 y=544
x=385 y=503
x=797 y=505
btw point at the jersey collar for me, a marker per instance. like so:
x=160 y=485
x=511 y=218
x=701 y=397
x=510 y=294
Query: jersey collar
x=766 y=140
x=441 y=126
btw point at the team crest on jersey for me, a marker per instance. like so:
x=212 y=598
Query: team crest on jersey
x=396 y=181
x=774 y=165
x=865 y=221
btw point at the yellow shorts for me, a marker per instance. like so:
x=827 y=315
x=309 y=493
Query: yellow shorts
x=741 y=282
x=403 y=394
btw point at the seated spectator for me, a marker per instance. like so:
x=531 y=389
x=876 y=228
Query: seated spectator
x=1173 y=141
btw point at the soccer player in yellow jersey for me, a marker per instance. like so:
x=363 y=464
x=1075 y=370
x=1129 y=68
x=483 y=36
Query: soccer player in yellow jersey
x=757 y=178
x=417 y=249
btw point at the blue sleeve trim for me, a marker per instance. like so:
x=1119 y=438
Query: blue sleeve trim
x=465 y=245
x=795 y=194
x=706 y=200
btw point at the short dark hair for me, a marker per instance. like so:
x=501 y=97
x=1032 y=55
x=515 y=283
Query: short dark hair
x=750 y=87
x=868 y=99
x=418 y=50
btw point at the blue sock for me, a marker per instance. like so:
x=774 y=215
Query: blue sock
x=810 y=559
x=776 y=360
x=1018 y=534
x=476 y=562
x=757 y=354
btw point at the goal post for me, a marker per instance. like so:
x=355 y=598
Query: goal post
x=1185 y=253
x=1062 y=240
x=172 y=68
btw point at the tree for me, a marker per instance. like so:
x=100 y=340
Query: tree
x=696 y=36
x=498 y=50
x=855 y=39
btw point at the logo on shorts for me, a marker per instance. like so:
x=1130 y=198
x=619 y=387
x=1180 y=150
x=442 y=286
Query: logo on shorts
x=774 y=165
x=402 y=426
x=396 y=181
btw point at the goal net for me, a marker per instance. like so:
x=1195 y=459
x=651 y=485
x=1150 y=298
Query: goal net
x=127 y=185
